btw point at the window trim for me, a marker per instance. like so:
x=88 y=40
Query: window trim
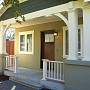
x=26 y=33
x=81 y=30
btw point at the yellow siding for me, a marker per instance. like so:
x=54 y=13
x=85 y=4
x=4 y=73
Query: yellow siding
x=33 y=61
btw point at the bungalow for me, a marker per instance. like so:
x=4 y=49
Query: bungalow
x=56 y=31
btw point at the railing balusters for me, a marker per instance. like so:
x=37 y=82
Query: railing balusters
x=13 y=59
x=16 y=65
x=12 y=63
x=63 y=71
x=60 y=71
x=49 y=70
x=6 y=62
x=55 y=70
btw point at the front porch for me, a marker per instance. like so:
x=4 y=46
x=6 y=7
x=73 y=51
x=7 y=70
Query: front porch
x=33 y=78
x=52 y=75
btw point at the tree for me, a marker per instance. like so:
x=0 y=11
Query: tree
x=10 y=34
x=14 y=3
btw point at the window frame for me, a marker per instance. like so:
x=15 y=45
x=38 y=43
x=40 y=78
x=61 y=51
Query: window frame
x=26 y=33
x=64 y=36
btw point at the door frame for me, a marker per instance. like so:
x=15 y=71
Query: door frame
x=42 y=45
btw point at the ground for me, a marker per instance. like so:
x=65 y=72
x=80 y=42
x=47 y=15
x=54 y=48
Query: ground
x=9 y=85
x=6 y=84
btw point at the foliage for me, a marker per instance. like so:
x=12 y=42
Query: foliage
x=17 y=14
x=10 y=34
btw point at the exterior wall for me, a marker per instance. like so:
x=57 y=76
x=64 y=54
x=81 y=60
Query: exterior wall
x=33 y=61
x=77 y=75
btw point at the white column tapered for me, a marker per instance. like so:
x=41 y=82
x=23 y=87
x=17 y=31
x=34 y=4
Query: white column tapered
x=86 y=34
x=73 y=35
x=2 y=39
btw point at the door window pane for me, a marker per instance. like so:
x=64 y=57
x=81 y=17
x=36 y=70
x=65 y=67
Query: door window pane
x=49 y=38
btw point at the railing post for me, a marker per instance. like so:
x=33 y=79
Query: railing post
x=6 y=58
x=16 y=65
x=44 y=69
x=10 y=61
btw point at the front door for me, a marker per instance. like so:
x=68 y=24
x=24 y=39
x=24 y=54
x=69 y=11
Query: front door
x=47 y=46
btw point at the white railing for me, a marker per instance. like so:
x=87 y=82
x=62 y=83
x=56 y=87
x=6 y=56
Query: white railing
x=11 y=63
x=53 y=70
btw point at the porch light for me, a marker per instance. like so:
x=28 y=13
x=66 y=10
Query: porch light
x=55 y=33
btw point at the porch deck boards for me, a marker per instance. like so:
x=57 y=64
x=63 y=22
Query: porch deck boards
x=31 y=75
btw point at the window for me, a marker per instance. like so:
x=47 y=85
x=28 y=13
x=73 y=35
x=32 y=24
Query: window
x=26 y=42
x=49 y=37
x=66 y=42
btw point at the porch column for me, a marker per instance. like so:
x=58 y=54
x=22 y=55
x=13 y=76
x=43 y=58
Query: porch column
x=86 y=34
x=2 y=40
x=73 y=34
x=2 y=48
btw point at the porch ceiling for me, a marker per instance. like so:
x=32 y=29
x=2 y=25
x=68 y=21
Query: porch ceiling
x=40 y=20
x=44 y=19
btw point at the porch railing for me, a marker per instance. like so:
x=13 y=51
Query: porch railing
x=53 y=70
x=11 y=63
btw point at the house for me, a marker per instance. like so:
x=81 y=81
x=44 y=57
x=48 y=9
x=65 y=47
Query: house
x=57 y=30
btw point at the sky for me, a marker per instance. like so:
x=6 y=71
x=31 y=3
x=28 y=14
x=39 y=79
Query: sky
x=1 y=4
x=10 y=32
x=1 y=1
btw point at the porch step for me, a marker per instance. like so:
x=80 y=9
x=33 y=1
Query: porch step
x=27 y=82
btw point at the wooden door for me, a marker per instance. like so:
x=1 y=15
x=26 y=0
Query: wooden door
x=47 y=46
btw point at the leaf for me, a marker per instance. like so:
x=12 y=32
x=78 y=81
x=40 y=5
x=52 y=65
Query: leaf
x=13 y=4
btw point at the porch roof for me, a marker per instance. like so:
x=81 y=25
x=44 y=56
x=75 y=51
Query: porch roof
x=32 y=6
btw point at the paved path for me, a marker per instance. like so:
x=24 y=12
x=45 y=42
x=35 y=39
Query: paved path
x=10 y=85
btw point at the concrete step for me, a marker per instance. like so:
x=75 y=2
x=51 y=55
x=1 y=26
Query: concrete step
x=27 y=82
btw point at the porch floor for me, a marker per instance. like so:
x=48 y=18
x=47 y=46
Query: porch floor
x=35 y=77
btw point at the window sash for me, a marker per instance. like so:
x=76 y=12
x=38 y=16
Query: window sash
x=28 y=42
x=22 y=42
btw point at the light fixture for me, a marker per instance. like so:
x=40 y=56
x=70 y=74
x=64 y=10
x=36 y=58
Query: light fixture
x=55 y=33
